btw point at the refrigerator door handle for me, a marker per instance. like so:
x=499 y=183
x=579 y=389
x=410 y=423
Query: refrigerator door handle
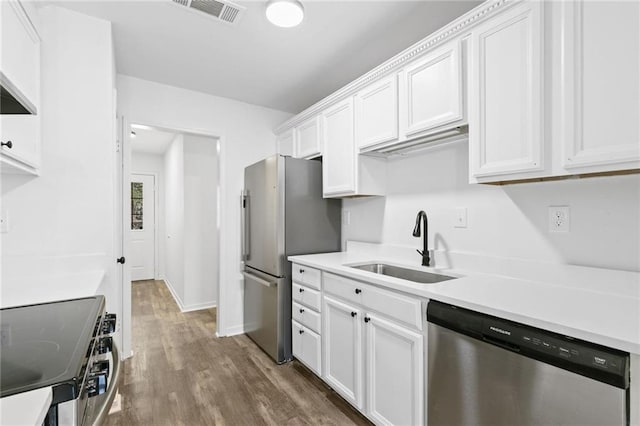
x=246 y=245
x=259 y=280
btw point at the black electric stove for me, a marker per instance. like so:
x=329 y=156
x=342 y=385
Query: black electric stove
x=56 y=344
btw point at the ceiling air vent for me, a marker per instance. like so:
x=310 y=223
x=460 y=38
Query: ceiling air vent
x=221 y=10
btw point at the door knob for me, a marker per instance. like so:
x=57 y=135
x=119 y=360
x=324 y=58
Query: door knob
x=121 y=260
x=8 y=144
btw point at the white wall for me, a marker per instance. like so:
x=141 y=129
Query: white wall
x=200 y=204
x=142 y=162
x=504 y=221
x=174 y=217
x=62 y=222
x=246 y=137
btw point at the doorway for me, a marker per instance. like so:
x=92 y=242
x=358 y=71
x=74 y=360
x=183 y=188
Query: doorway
x=174 y=213
x=143 y=227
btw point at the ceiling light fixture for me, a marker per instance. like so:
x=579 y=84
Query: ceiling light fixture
x=285 y=13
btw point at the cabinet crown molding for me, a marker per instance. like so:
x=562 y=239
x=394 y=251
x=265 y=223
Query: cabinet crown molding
x=453 y=29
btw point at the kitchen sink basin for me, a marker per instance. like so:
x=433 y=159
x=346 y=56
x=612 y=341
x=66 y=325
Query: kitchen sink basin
x=422 y=277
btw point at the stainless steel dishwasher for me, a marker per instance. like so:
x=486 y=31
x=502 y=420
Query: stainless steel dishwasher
x=484 y=370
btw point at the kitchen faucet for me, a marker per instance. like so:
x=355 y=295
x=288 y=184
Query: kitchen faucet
x=416 y=233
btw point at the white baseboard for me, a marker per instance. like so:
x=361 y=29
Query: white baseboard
x=199 y=306
x=173 y=293
x=188 y=308
x=231 y=331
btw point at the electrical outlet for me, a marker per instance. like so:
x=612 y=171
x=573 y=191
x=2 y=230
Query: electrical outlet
x=559 y=218
x=346 y=217
x=460 y=218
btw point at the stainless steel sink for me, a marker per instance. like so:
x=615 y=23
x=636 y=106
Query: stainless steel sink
x=422 y=277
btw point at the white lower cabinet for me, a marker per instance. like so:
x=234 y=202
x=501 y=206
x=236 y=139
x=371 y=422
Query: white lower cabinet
x=394 y=373
x=373 y=362
x=343 y=364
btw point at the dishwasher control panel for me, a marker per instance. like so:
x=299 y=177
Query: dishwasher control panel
x=599 y=362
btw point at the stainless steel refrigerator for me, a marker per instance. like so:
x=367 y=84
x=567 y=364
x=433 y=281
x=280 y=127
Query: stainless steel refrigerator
x=284 y=214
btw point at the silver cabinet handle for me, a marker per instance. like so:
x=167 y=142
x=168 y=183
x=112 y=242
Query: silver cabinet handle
x=257 y=279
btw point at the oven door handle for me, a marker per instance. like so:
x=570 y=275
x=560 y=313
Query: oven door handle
x=112 y=389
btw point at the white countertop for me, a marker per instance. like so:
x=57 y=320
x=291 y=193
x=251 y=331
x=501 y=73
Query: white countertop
x=46 y=288
x=595 y=305
x=25 y=409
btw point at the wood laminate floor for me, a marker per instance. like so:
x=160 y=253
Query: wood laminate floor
x=181 y=374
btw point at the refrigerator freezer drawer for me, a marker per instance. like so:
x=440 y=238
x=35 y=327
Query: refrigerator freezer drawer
x=265 y=314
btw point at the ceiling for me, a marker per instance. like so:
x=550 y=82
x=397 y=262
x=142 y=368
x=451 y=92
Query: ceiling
x=288 y=69
x=149 y=140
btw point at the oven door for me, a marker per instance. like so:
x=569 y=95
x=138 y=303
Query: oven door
x=89 y=410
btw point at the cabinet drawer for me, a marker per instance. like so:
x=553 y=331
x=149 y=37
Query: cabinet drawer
x=402 y=308
x=307 y=276
x=306 y=296
x=306 y=316
x=306 y=346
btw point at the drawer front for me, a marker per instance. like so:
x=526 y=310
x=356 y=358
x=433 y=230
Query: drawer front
x=402 y=308
x=306 y=296
x=307 y=276
x=306 y=316
x=344 y=287
x=306 y=346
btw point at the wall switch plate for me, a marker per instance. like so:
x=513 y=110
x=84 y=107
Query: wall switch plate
x=559 y=218
x=4 y=221
x=460 y=220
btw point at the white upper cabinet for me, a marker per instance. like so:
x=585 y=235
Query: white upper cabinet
x=307 y=138
x=344 y=172
x=601 y=116
x=339 y=156
x=506 y=134
x=377 y=113
x=20 y=50
x=285 y=143
x=432 y=90
x=20 y=65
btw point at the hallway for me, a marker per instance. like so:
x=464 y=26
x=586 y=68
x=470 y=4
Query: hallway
x=180 y=374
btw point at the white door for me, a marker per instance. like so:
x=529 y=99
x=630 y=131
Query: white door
x=142 y=227
x=395 y=379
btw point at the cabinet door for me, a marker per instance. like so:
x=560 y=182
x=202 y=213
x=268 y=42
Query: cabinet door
x=339 y=155
x=285 y=143
x=395 y=373
x=377 y=113
x=307 y=139
x=20 y=50
x=343 y=349
x=505 y=109
x=601 y=86
x=433 y=90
